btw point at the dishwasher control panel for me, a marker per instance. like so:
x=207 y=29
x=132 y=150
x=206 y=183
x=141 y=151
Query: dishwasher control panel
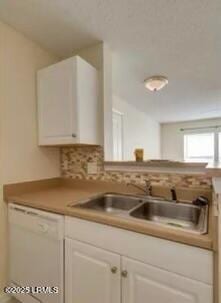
x=51 y=225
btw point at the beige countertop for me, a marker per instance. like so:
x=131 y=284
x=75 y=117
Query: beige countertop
x=56 y=195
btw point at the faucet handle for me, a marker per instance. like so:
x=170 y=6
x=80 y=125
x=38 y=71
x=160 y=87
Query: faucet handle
x=173 y=193
x=147 y=182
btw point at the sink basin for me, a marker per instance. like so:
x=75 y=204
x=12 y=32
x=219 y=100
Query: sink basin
x=179 y=215
x=112 y=203
x=182 y=216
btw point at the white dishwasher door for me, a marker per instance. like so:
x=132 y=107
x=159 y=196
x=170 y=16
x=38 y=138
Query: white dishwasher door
x=36 y=251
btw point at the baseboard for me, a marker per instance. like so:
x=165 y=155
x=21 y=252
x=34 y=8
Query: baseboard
x=5 y=298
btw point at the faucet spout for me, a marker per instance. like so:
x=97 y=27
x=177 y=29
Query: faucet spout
x=147 y=189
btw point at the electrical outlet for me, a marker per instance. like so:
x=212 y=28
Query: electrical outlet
x=92 y=168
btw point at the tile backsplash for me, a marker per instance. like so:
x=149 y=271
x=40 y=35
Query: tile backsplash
x=74 y=162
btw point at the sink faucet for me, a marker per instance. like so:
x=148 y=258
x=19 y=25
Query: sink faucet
x=147 y=189
x=173 y=194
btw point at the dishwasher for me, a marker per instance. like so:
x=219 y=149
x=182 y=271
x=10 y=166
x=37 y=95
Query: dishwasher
x=36 y=255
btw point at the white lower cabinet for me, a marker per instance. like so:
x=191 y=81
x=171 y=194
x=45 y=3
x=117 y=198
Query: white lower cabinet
x=92 y=274
x=105 y=264
x=143 y=283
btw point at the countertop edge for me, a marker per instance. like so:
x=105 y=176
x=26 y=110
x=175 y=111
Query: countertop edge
x=185 y=238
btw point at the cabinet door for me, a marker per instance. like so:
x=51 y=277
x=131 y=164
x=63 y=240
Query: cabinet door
x=92 y=274
x=57 y=108
x=143 y=283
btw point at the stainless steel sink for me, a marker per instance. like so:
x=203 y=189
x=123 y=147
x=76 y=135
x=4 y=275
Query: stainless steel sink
x=112 y=203
x=182 y=216
x=179 y=215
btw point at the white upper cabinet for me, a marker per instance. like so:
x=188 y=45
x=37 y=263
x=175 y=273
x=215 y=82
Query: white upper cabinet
x=68 y=103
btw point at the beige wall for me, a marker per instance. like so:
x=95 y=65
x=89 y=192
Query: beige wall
x=172 y=137
x=20 y=157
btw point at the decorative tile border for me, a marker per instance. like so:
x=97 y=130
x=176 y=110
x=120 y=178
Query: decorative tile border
x=74 y=165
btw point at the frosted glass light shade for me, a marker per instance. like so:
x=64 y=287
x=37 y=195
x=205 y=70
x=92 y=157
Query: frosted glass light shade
x=155 y=83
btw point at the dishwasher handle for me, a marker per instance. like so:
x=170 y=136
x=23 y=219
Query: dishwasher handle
x=24 y=211
x=51 y=225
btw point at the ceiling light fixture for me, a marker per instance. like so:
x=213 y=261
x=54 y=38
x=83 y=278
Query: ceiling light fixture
x=155 y=83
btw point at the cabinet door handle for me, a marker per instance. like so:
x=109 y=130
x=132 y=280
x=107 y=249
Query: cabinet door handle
x=74 y=135
x=124 y=273
x=114 y=269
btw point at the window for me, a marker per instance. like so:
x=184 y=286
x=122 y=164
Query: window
x=203 y=144
x=200 y=147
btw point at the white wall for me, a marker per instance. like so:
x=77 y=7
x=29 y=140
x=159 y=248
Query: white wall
x=139 y=131
x=20 y=157
x=99 y=56
x=94 y=56
x=172 y=137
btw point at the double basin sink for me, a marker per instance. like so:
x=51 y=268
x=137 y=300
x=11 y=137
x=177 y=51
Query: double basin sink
x=182 y=216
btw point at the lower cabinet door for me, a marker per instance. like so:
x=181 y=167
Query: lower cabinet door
x=92 y=275
x=142 y=283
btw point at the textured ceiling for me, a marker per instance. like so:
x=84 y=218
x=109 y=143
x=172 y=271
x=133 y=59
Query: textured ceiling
x=177 y=38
